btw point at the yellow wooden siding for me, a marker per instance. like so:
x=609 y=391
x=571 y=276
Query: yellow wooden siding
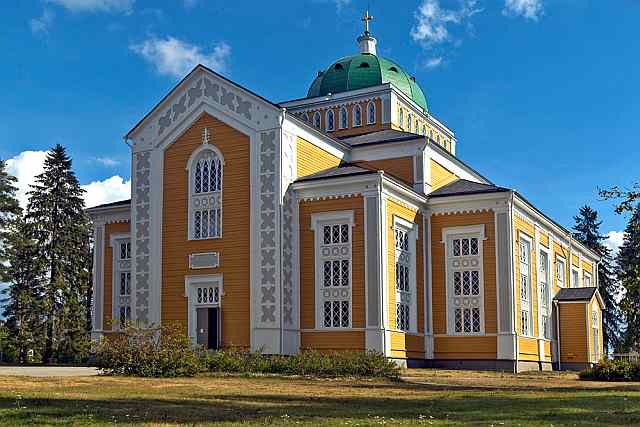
x=333 y=340
x=460 y=347
x=586 y=266
x=440 y=176
x=573 y=333
x=235 y=242
x=438 y=222
x=524 y=228
x=400 y=168
x=560 y=252
x=544 y=239
x=307 y=263
x=109 y=229
x=528 y=349
x=404 y=345
x=312 y=159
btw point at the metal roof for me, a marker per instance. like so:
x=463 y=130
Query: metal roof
x=338 y=172
x=575 y=294
x=463 y=187
x=112 y=204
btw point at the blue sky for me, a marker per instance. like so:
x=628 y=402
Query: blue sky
x=542 y=94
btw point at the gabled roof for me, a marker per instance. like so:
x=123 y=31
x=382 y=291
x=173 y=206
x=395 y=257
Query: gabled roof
x=380 y=137
x=119 y=203
x=575 y=294
x=341 y=171
x=464 y=187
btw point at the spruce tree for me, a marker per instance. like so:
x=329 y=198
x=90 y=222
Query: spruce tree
x=587 y=232
x=23 y=302
x=9 y=209
x=629 y=275
x=56 y=217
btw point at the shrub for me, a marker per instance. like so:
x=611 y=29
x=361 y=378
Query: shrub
x=150 y=352
x=613 y=370
x=308 y=362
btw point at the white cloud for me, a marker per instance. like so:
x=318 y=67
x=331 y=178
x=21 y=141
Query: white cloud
x=28 y=164
x=107 y=161
x=433 y=22
x=174 y=57
x=115 y=6
x=529 y=9
x=433 y=62
x=107 y=191
x=41 y=24
x=339 y=4
x=25 y=166
x=614 y=241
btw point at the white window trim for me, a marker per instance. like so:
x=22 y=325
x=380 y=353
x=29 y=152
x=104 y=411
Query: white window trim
x=530 y=332
x=317 y=119
x=464 y=231
x=549 y=291
x=353 y=119
x=326 y=118
x=561 y=283
x=401 y=117
x=344 y=125
x=190 y=166
x=412 y=229
x=114 y=242
x=317 y=221
x=572 y=282
x=369 y=122
x=191 y=283
x=586 y=275
x=409 y=122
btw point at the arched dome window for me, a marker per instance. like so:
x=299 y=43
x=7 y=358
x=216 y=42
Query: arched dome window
x=205 y=169
x=343 y=118
x=357 y=115
x=316 y=119
x=409 y=121
x=371 y=113
x=330 y=120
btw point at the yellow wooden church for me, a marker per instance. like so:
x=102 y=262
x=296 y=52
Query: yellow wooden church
x=342 y=220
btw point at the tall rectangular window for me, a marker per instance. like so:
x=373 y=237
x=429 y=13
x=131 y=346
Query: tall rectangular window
x=595 y=327
x=333 y=270
x=525 y=287
x=405 y=278
x=122 y=281
x=465 y=281
x=545 y=294
x=561 y=272
x=575 y=278
x=587 y=280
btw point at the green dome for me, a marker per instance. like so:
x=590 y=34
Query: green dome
x=365 y=70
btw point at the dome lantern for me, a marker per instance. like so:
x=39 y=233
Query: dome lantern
x=366 y=41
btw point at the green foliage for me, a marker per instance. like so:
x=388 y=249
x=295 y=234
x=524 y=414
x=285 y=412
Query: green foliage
x=9 y=209
x=629 y=275
x=150 y=352
x=308 y=362
x=587 y=232
x=613 y=370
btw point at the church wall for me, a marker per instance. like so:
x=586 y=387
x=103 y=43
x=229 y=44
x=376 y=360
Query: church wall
x=312 y=159
x=400 y=168
x=109 y=229
x=405 y=344
x=524 y=228
x=350 y=130
x=574 y=341
x=595 y=305
x=432 y=131
x=463 y=347
x=440 y=176
x=311 y=336
x=234 y=245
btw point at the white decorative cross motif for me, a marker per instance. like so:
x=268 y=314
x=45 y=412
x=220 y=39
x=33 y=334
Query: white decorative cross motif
x=205 y=136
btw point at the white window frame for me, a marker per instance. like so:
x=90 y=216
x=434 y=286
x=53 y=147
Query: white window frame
x=561 y=279
x=208 y=199
x=544 y=294
x=317 y=120
x=371 y=106
x=575 y=277
x=331 y=114
x=529 y=309
x=191 y=286
x=401 y=118
x=343 y=115
x=356 y=123
x=409 y=122
x=448 y=236
x=586 y=275
x=407 y=298
x=120 y=266
x=322 y=294
x=595 y=333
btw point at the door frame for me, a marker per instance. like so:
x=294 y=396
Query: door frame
x=191 y=285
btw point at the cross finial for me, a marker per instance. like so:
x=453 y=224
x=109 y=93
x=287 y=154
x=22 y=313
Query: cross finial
x=205 y=136
x=366 y=18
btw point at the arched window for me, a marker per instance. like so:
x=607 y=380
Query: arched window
x=305 y=117
x=316 y=119
x=431 y=134
x=417 y=127
x=424 y=130
x=409 y=119
x=371 y=113
x=205 y=193
x=330 y=119
x=401 y=118
x=357 y=115
x=343 y=118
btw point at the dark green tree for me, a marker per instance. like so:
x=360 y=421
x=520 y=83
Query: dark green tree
x=24 y=296
x=57 y=220
x=9 y=209
x=629 y=275
x=587 y=231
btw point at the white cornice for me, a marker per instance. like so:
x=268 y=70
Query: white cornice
x=497 y=202
x=315 y=137
x=109 y=215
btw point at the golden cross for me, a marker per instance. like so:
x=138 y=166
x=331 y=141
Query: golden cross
x=366 y=18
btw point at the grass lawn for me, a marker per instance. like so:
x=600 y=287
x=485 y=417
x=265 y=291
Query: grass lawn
x=425 y=397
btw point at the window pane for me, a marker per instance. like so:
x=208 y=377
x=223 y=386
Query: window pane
x=327 y=314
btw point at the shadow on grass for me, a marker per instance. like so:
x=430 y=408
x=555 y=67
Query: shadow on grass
x=598 y=408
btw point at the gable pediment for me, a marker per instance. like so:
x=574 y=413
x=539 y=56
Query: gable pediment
x=203 y=89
